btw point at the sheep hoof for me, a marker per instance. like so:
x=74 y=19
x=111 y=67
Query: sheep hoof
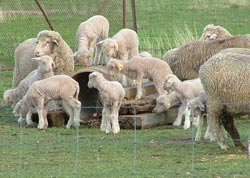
x=224 y=147
x=68 y=126
x=176 y=123
x=186 y=126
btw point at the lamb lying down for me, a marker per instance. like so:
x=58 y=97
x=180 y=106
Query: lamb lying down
x=112 y=93
x=58 y=87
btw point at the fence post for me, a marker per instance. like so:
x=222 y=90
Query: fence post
x=134 y=15
x=124 y=13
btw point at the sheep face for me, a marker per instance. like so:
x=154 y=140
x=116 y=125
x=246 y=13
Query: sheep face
x=212 y=32
x=45 y=45
x=110 y=47
x=92 y=80
x=85 y=57
x=162 y=104
x=113 y=67
x=8 y=98
x=168 y=85
x=19 y=107
x=45 y=63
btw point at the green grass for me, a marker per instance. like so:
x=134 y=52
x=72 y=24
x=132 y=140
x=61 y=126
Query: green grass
x=163 y=151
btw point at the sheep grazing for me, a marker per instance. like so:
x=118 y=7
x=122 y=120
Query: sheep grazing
x=186 y=91
x=138 y=67
x=212 y=32
x=58 y=87
x=112 y=93
x=166 y=101
x=23 y=63
x=90 y=32
x=225 y=78
x=123 y=45
x=189 y=57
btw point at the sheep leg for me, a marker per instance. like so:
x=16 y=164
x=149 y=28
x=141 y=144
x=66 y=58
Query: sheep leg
x=74 y=108
x=45 y=112
x=114 y=117
x=41 y=119
x=134 y=52
x=97 y=54
x=70 y=112
x=28 y=117
x=199 y=125
x=233 y=131
x=77 y=113
x=187 y=118
x=103 y=121
x=159 y=87
x=107 y=119
x=178 y=120
x=139 y=87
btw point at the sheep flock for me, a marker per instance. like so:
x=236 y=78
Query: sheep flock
x=207 y=77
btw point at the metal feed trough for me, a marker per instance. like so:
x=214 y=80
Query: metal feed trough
x=133 y=113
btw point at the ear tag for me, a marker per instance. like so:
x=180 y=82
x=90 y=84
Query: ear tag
x=120 y=67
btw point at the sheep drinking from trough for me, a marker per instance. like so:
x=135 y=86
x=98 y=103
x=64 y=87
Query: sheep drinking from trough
x=138 y=67
x=186 y=91
x=90 y=32
x=58 y=87
x=225 y=79
x=47 y=43
x=112 y=94
x=123 y=45
x=188 y=58
x=44 y=70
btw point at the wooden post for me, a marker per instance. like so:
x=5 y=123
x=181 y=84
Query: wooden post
x=124 y=13
x=134 y=15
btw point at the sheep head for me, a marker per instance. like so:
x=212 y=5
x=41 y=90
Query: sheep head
x=160 y=104
x=46 y=42
x=45 y=63
x=85 y=56
x=19 y=107
x=8 y=97
x=92 y=83
x=109 y=47
x=114 y=66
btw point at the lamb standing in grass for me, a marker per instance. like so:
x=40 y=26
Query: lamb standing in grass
x=47 y=43
x=225 y=78
x=44 y=70
x=212 y=32
x=122 y=45
x=112 y=93
x=186 y=90
x=138 y=67
x=58 y=87
x=90 y=32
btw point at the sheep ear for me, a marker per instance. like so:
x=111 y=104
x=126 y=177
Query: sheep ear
x=116 y=46
x=37 y=59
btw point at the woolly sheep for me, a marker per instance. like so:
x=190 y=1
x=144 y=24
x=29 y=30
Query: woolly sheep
x=225 y=78
x=47 y=43
x=52 y=88
x=44 y=70
x=88 y=34
x=123 y=45
x=166 y=101
x=189 y=57
x=186 y=91
x=138 y=67
x=212 y=32
x=112 y=93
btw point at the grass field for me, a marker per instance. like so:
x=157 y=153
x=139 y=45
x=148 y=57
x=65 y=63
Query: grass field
x=163 y=151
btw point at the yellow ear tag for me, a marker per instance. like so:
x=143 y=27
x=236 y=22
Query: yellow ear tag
x=170 y=81
x=168 y=105
x=120 y=67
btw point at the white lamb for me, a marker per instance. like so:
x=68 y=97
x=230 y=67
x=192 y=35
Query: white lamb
x=123 y=45
x=44 y=70
x=58 y=87
x=112 y=93
x=88 y=34
x=139 y=67
x=186 y=90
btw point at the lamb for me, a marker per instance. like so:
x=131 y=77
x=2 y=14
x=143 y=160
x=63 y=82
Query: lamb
x=212 y=32
x=166 y=101
x=44 y=70
x=225 y=79
x=123 y=45
x=52 y=88
x=47 y=43
x=138 y=67
x=90 y=32
x=196 y=108
x=186 y=91
x=112 y=93
x=189 y=57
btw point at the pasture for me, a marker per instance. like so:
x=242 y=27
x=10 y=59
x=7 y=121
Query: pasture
x=163 y=151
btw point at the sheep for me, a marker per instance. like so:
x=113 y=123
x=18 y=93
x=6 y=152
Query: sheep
x=189 y=57
x=58 y=87
x=123 y=45
x=166 y=101
x=212 y=32
x=47 y=43
x=225 y=79
x=169 y=56
x=139 y=67
x=44 y=70
x=112 y=93
x=186 y=91
x=90 y=32
x=196 y=108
